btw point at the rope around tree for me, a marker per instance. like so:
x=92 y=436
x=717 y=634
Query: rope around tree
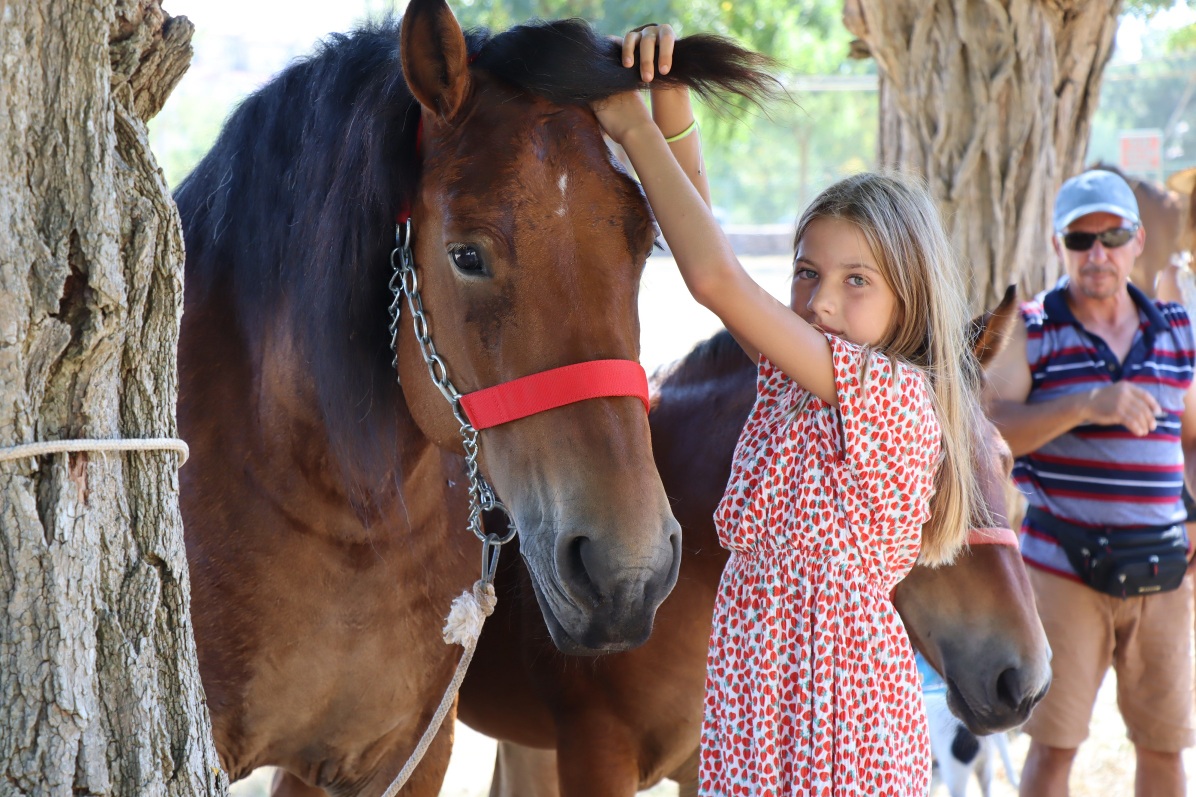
x=30 y=450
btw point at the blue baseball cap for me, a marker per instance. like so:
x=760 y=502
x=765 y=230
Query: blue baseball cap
x=1095 y=191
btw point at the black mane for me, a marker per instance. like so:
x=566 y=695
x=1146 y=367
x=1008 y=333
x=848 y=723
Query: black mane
x=293 y=208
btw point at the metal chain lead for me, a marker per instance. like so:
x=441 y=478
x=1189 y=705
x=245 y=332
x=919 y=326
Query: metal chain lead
x=405 y=282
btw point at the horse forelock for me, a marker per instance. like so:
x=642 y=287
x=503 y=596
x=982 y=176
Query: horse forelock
x=569 y=63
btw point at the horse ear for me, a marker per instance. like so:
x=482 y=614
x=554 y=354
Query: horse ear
x=435 y=60
x=989 y=332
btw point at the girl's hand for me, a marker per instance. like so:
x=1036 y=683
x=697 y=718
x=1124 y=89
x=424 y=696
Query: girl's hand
x=655 y=45
x=622 y=113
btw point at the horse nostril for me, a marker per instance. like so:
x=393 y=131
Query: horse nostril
x=1009 y=689
x=574 y=573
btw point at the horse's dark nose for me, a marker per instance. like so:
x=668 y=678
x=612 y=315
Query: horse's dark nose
x=600 y=575
x=1015 y=694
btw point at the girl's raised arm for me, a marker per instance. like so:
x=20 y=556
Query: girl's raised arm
x=671 y=108
x=708 y=265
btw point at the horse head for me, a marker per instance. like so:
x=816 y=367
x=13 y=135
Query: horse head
x=529 y=242
x=986 y=639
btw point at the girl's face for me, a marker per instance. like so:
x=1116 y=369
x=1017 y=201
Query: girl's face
x=837 y=284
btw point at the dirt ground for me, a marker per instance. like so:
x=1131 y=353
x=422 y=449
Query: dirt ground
x=672 y=323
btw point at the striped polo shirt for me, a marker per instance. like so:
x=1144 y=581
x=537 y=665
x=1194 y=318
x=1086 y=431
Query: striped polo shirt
x=1104 y=476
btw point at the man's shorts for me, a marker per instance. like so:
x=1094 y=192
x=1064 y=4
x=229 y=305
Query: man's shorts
x=1147 y=639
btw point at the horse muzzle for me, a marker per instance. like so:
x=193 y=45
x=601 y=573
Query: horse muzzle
x=595 y=596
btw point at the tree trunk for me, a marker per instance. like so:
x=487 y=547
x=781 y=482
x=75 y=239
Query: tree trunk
x=99 y=690
x=991 y=102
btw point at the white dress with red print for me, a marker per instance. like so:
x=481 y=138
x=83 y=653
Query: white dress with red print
x=811 y=685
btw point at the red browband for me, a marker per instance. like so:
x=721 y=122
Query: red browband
x=994 y=536
x=557 y=387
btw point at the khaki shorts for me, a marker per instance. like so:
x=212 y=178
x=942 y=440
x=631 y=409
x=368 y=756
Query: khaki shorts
x=1148 y=640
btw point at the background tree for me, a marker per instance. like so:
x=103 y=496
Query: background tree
x=99 y=691
x=992 y=102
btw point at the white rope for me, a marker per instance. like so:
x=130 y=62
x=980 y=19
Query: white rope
x=29 y=450
x=463 y=626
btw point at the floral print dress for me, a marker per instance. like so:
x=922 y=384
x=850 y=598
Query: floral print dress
x=811 y=684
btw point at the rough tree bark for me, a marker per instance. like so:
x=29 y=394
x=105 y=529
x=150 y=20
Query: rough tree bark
x=990 y=100
x=99 y=690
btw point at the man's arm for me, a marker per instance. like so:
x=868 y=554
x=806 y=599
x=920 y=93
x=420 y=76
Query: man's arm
x=1028 y=427
x=1007 y=381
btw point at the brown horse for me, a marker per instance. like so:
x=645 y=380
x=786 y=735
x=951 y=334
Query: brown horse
x=326 y=505
x=620 y=723
x=1163 y=214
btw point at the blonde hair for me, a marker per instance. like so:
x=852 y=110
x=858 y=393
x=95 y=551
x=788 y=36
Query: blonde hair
x=904 y=231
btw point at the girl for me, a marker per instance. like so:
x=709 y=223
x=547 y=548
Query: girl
x=860 y=428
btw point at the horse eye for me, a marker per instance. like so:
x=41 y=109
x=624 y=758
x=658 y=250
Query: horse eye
x=467 y=259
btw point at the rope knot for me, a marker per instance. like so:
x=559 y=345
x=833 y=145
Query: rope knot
x=468 y=614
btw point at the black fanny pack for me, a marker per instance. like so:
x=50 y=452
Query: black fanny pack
x=1123 y=562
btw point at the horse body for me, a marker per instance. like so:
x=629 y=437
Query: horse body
x=325 y=505
x=621 y=722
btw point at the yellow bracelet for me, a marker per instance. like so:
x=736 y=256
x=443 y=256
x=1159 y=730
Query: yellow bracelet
x=692 y=127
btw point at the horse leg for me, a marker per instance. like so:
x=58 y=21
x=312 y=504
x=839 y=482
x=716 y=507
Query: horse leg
x=287 y=785
x=596 y=758
x=686 y=776
x=524 y=772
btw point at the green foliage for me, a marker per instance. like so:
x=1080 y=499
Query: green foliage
x=1182 y=40
x=776 y=166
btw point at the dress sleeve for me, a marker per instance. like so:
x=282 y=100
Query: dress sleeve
x=890 y=436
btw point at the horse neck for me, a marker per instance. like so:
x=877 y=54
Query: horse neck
x=253 y=418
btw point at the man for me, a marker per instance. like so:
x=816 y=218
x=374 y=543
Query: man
x=1094 y=396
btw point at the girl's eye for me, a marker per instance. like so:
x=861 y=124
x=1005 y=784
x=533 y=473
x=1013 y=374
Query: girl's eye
x=467 y=259
x=805 y=274
x=856 y=281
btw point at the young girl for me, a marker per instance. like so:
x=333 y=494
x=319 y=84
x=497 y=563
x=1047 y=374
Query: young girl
x=860 y=428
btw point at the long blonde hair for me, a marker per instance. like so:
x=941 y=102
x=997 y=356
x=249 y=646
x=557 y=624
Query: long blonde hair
x=904 y=231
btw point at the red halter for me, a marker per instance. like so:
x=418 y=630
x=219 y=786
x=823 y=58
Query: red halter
x=995 y=536
x=547 y=390
x=550 y=389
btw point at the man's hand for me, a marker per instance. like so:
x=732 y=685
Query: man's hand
x=1125 y=404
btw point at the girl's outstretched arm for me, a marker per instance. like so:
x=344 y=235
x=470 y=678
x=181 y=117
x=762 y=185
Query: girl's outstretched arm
x=671 y=108
x=709 y=267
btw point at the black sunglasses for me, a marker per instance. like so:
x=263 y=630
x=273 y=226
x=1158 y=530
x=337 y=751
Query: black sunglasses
x=1109 y=239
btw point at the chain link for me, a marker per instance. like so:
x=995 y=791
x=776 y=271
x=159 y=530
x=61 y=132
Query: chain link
x=405 y=282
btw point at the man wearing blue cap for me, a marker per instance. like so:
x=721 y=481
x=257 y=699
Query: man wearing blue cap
x=1094 y=396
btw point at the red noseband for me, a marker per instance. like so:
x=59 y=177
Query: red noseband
x=547 y=390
